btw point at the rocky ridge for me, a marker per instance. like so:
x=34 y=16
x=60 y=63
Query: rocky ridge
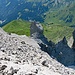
x=60 y=51
x=20 y=55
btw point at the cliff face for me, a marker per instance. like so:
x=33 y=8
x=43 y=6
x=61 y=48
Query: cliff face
x=20 y=55
x=64 y=53
x=60 y=51
x=36 y=32
x=73 y=46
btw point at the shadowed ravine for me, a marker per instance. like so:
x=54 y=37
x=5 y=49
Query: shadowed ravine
x=60 y=51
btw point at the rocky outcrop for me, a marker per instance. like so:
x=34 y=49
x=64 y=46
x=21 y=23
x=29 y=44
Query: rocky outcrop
x=70 y=42
x=36 y=28
x=60 y=51
x=64 y=53
x=20 y=55
x=36 y=31
x=73 y=46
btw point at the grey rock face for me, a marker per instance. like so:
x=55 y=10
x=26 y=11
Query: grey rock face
x=36 y=31
x=70 y=41
x=61 y=51
x=36 y=28
x=74 y=34
x=64 y=53
x=73 y=46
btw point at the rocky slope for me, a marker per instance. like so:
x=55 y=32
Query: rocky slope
x=60 y=51
x=20 y=55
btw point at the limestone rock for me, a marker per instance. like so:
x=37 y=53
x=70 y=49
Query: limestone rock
x=36 y=31
x=3 y=67
x=64 y=53
x=73 y=46
x=73 y=34
x=70 y=42
x=61 y=51
x=36 y=28
x=29 y=60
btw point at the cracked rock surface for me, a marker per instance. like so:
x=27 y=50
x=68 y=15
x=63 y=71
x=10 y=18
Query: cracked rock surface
x=21 y=55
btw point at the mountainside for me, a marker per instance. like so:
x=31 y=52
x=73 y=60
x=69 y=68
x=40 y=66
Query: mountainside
x=20 y=27
x=20 y=55
x=57 y=32
x=64 y=16
x=28 y=9
x=52 y=32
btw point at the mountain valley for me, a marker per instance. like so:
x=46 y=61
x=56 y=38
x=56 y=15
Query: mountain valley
x=28 y=9
x=37 y=37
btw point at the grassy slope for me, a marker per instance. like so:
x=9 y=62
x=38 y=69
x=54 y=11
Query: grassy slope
x=18 y=26
x=52 y=32
x=57 y=32
x=62 y=16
